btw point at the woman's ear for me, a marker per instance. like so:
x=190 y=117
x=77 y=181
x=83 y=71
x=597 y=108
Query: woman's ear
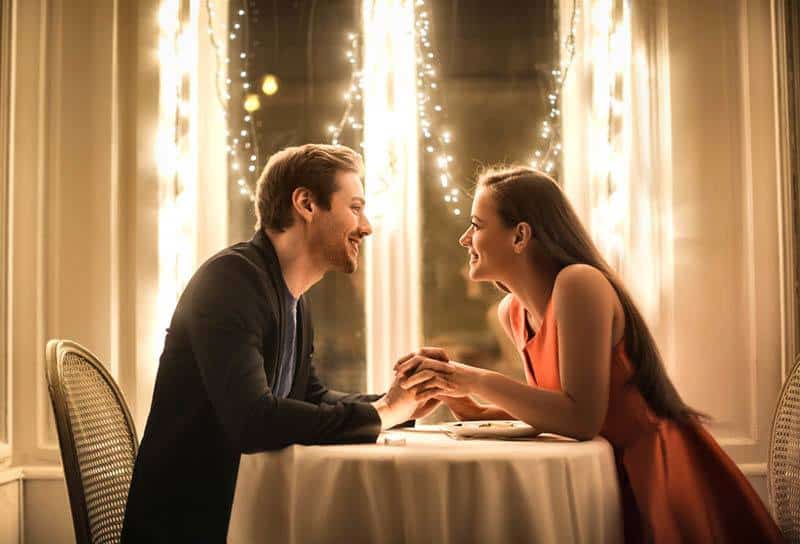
x=303 y=203
x=522 y=237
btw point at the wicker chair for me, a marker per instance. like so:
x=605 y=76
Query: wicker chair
x=783 y=472
x=97 y=438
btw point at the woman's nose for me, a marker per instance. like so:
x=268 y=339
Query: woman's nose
x=465 y=239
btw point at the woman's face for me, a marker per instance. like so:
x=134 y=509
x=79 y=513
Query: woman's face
x=488 y=240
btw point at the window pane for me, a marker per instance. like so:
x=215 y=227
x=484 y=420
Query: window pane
x=303 y=45
x=496 y=63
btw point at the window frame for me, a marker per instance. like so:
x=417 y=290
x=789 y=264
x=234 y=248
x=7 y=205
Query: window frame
x=5 y=112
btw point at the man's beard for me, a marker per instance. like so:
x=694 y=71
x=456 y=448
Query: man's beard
x=337 y=254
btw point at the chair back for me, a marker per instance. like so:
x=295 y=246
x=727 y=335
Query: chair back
x=97 y=438
x=783 y=465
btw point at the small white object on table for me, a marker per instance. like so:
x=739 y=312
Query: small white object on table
x=431 y=488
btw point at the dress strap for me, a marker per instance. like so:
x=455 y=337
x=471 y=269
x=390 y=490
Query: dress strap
x=516 y=318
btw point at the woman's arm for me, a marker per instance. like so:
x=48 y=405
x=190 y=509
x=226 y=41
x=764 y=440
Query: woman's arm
x=583 y=304
x=467 y=409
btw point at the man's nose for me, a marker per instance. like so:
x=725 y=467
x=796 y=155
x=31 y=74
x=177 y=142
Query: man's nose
x=464 y=240
x=365 y=228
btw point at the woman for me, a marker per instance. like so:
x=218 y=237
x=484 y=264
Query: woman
x=592 y=368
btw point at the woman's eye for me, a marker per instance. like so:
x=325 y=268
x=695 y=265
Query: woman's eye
x=474 y=226
x=356 y=210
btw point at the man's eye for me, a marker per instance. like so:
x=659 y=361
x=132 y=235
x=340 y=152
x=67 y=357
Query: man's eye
x=473 y=225
x=356 y=209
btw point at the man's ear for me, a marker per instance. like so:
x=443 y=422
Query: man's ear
x=303 y=203
x=523 y=234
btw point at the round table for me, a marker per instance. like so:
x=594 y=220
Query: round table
x=432 y=488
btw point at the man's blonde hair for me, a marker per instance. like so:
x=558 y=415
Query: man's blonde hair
x=313 y=166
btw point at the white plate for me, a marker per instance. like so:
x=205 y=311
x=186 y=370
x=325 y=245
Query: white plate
x=489 y=429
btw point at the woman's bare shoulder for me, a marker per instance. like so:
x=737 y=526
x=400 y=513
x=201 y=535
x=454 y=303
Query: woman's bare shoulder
x=576 y=283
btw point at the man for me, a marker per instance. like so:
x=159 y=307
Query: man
x=236 y=374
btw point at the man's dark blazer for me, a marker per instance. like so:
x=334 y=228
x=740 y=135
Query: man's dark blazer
x=213 y=398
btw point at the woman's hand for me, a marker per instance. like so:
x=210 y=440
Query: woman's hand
x=425 y=408
x=432 y=353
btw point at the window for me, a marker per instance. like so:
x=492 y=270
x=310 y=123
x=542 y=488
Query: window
x=495 y=75
x=302 y=45
x=496 y=63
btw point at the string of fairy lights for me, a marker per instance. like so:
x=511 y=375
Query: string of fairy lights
x=242 y=146
x=352 y=96
x=549 y=149
x=435 y=138
x=235 y=87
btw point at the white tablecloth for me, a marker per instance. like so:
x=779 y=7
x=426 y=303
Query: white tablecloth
x=432 y=489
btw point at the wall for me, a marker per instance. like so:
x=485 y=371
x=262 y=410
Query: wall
x=82 y=222
x=10 y=506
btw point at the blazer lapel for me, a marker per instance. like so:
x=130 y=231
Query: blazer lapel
x=303 y=346
x=304 y=353
x=273 y=269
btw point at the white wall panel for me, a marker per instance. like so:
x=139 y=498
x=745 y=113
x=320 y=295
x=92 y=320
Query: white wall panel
x=47 y=518
x=10 y=530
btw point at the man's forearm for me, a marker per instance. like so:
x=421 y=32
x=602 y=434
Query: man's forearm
x=276 y=423
x=332 y=397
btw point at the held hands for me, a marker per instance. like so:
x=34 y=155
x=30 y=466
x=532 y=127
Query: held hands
x=423 y=380
x=429 y=374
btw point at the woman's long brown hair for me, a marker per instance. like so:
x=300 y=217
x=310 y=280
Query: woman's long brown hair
x=525 y=195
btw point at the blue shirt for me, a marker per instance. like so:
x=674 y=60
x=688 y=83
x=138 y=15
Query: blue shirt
x=286 y=366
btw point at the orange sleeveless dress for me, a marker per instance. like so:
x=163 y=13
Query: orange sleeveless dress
x=677 y=485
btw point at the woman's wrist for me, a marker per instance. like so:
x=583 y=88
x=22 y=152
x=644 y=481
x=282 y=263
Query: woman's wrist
x=483 y=379
x=464 y=408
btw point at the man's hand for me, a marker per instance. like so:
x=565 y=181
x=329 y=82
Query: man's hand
x=399 y=405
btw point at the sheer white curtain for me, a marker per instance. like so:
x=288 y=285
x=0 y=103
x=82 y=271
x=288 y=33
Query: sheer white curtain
x=392 y=258
x=694 y=227
x=616 y=142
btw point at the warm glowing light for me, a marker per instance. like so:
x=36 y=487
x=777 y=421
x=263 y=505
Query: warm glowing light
x=608 y=168
x=175 y=156
x=252 y=103
x=392 y=186
x=390 y=107
x=269 y=84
